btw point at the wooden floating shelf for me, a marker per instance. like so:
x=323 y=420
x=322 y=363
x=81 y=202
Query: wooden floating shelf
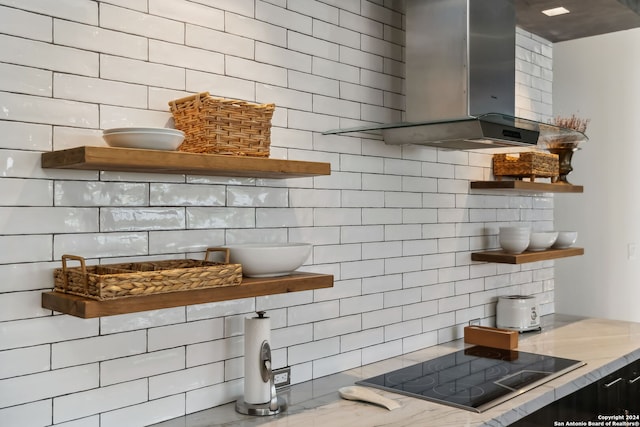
x=527 y=256
x=87 y=308
x=520 y=185
x=177 y=162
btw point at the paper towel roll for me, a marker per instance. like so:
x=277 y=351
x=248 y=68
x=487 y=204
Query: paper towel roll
x=256 y=331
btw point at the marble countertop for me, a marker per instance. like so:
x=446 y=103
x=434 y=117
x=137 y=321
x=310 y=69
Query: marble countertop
x=605 y=345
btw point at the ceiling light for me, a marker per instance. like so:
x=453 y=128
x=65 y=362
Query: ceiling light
x=555 y=11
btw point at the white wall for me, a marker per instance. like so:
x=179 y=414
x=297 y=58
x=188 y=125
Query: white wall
x=394 y=225
x=597 y=77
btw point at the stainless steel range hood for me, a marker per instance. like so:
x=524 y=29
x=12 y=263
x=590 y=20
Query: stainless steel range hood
x=460 y=78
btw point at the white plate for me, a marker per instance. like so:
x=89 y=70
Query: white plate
x=152 y=130
x=146 y=139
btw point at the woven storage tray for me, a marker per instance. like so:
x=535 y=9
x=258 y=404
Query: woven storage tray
x=223 y=126
x=529 y=164
x=112 y=281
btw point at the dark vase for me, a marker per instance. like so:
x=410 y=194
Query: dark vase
x=564 y=158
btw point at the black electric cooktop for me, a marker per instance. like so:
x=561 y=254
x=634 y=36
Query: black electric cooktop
x=474 y=379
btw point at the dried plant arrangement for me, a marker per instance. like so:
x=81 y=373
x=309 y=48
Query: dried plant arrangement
x=573 y=122
x=553 y=138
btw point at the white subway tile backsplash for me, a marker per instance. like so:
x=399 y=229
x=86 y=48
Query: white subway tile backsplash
x=336 y=327
x=93 y=245
x=34 y=414
x=256 y=196
x=74 y=10
x=286 y=337
x=26 y=192
x=43 y=385
x=141 y=366
x=189 y=11
x=24 y=361
x=313 y=350
x=185 y=380
x=327 y=67
x=25 y=136
x=97 y=349
x=89 y=89
x=255 y=29
x=394 y=225
x=139 y=23
x=402 y=329
x=361 y=339
x=185 y=56
x=70 y=137
x=180 y=241
x=223 y=43
x=341 y=362
x=214 y=395
x=21 y=305
x=137 y=219
x=141 y=72
x=167 y=194
x=419 y=310
x=361 y=24
x=47 y=110
x=336 y=34
x=302 y=81
x=220 y=217
x=99 y=193
x=215 y=351
x=29 y=332
x=92 y=38
x=312 y=313
x=145 y=414
x=249 y=70
x=383 y=351
x=23 y=220
x=27 y=80
x=25 y=249
x=185 y=333
x=47 y=56
x=326 y=105
x=282 y=17
x=103 y=399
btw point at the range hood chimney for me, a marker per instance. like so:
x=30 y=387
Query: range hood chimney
x=460 y=78
x=460 y=75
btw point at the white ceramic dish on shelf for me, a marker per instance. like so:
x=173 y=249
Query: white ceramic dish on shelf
x=565 y=239
x=144 y=138
x=514 y=240
x=542 y=240
x=269 y=259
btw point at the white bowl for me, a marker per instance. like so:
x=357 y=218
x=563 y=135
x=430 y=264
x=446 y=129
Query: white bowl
x=565 y=239
x=145 y=138
x=269 y=259
x=514 y=231
x=514 y=245
x=541 y=240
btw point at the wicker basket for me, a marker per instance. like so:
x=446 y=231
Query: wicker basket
x=223 y=126
x=112 y=281
x=531 y=164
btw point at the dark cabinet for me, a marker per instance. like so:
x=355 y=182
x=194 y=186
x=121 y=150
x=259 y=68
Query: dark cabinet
x=615 y=394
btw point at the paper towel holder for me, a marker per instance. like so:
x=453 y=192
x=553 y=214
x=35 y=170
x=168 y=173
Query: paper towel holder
x=276 y=404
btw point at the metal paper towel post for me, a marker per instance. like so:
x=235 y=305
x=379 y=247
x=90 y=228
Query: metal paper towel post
x=276 y=404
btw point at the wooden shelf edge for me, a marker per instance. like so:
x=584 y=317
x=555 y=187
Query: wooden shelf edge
x=525 y=257
x=87 y=308
x=176 y=162
x=519 y=185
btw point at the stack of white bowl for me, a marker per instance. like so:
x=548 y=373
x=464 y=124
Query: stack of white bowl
x=514 y=240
